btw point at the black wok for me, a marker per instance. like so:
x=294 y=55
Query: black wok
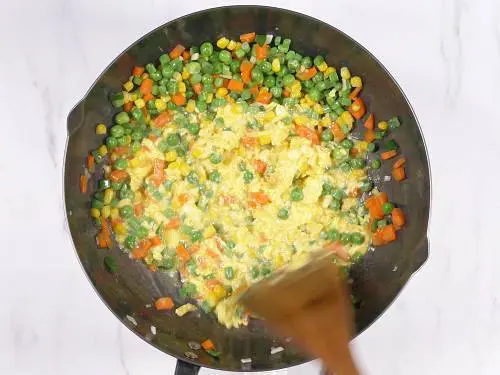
x=131 y=289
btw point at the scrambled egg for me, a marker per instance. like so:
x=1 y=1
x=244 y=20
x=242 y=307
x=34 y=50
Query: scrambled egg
x=244 y=197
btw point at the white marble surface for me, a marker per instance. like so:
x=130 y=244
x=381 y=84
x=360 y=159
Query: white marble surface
x=446 y=56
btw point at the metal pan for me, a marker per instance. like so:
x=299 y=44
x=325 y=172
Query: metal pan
x=377 y=279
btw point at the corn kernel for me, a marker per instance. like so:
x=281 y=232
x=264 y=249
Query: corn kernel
x=276 y=66
x=268 y=116
x=165 y=98
x=382 y=125
x=209 y=232
x=356 y=82
x=219 y=291
x=95 y=213
x=101 y=129
x=362 y=146
x=127 y=97
x=120 y=229
x=237 y=109
x=238 y=46
x=221 y=92
x=358 y=173
x=108 y=196
x=222 y=43
x=197 y=152
x=264 y=139
x=185 y=74
x=329 y=71
x=177 y=76
x=279 y=261
x=182 y=87
x=308 y=101
x=318 y=108
x=102 y=150
x=345 y=73
x=191 y=105
x=128 y=85
x=115 y=213
x=170 y=156
x=160 y=105
x=323 y=66
x=144 y=75
x=134 y=96
x=301 y=120
x=231 y=45
x=134 y=163
x=184 y=168
x=325 y=122
x=347 y=117
x=105 y=211
x=210 y=97
x=139 y=103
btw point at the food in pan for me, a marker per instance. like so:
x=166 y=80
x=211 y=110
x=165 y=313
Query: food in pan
x=228 y=161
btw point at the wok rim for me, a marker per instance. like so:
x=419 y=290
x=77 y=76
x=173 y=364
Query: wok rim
x=311 y=19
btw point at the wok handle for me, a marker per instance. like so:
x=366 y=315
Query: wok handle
x=184 y=368
x=76 y=117
x=421 y=255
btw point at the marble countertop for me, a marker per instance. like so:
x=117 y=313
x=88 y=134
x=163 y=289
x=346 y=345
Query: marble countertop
x=446 y=56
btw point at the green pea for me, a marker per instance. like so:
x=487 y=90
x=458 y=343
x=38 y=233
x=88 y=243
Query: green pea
x=122 y=118
x=332 y=235
x=208 y=87
x=283 y=214
x=167 y=71
x=96 y=203
x=357 y=238
x=257 y=75
x=193 y=128
x=321 y=86
x=247 y=177
x=266 y=270
x=196 y=236
x=218 y=82
x=293 y=65
x=141 y=232
x=130 y=242
x=229 y=273
x=387 y=208
x=266 y=67
x=123 y=141
x=207 y=79
x=372 y=147
x=297 y=194
x=335 y=204
x=195 y=78
x=117 y=131
x=347 y=144
x=326 y=135
x=338 y=194
x=206 y=49
x=120 y=163
x=317 y=78
x=201 y=105
x=173 y=139
x=318 y=60
x=314 y=94
x=214 y=176
x=276 y=91
x=215 y=158
x=366 y=186
x=358 y=163
x=176 y=65
x=235 y=66
x=306 y=62
x=255 y=272
x=240 y=53
x=126 y=211
x=193 y=178
x=382 y=223
x=345 y=238
x=164 y=59
x=112 y=142
x=225 y=56
x=155 y=76
x=327 y=189
x=269 y=81
x=245 y=94
x=207 y=68
x=376 y=164
x=345 y=166
x=116 y=185
x=126 y=194
x=288 y=80
x=394 y=123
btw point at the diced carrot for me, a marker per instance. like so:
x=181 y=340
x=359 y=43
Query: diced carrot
x=148 y=96
x=194 y=248
x=375 y=205
x=399 y=163
x=225 y=82
x=211 y=284
x=399 y=174
x=338 y=134
x=146 y=86
x=369 y=135
x=186 y=55
x=183 y=198
x=254 y=90
x=179 y=99
x=155 y=241
x=153 y=267
x=370 y=122
x=307 y=74
x=398 y=217
x=246 y=66
x=235 y=85
x=246 y=76
x=83 y=184
x=128 y=106
x=357 y=108
x=261 y=52
x=162 y=119
x=264 y=97
x=137 y=71
x=118 y=175
x=305 y=132
x=164 y=303
x=158 y=171
x=388 y=233
x=141 y=250
x=382 y=197
x=377 y=239
x=152 y=137
x=208 y=345
x=354 y=93
x=286 y=93
x=212 y=253
x=176 y=51
x=101 y=242
x=90 y=162
x=258 y=198
x=249 y=141
x=138 y=209
x=173 y=223
x=120 y=151
x=388 y=154
x=197 y=88
x=260 y=166
x=248 y=37
x=183 y=253
x=337 y=249
x=376 y=212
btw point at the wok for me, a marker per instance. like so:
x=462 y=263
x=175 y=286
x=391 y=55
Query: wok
x=129 y=291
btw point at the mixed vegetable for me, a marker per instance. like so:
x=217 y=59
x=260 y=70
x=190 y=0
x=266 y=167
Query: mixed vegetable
x=227 y=162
